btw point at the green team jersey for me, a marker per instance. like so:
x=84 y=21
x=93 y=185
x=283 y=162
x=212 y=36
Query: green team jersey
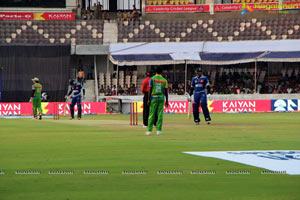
x=37 y=87
x=158 y=84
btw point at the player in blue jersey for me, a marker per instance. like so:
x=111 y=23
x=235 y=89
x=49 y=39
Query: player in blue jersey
x=199 y=84
x=75 y=92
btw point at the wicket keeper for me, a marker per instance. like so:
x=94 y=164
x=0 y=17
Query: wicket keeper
x=75 y=90
x=36 y=98
x=199 y=84
x=158 y=90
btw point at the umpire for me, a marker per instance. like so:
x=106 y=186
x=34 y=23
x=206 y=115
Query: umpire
x=145 y=90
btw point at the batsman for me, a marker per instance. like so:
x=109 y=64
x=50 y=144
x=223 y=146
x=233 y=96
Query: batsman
x=198 y=86
x=36 y=98
x=75 y=91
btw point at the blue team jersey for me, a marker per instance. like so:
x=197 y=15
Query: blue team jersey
x=76 y=89
x=199 y=84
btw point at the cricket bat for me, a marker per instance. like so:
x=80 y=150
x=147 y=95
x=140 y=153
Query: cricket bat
x=190 y=105
x=66 y=104
x=190 y=109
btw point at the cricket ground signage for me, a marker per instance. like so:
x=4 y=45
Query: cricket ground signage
x=48 y=108
x=284 y=161
x=285 y=105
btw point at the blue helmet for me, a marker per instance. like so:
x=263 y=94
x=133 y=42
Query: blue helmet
x=199 y=70
x=72 y=82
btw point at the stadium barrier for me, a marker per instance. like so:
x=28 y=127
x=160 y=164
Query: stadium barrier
x=88 y=108
x=214 y=106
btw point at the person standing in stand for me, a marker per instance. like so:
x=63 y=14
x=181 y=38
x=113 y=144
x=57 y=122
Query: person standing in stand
x=80 y=76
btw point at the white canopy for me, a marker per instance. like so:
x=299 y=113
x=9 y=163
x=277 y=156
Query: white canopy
x=215 y=53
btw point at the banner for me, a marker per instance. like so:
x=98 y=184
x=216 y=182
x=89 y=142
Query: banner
x=177 y=8
x=222 y=7
x=48 y=108
x=285 y=105
x=228 y=7
x=36 y=16
x=174 y=107
x=256 y=6
x=223 y=106
x=236 y=106
x=54 y=16
x=0 y=85
x=15 y=16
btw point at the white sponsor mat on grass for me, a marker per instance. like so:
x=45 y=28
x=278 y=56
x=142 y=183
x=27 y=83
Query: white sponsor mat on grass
x=274 y=160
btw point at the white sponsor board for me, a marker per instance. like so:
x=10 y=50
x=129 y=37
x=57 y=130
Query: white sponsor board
x=274 y=160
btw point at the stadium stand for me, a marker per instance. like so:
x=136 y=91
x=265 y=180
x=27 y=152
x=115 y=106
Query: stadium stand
x=209 y=30
x=240 y=80
x=107 y=83
x=90 y=32
x=51 y=32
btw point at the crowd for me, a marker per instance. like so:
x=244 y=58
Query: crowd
x=285 y=84
x=178 y=88
x=97 y=13
x=128 y=16
x=126 y=91
x=225 y=83
x=234 y=83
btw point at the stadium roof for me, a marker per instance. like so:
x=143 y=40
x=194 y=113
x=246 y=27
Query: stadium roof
x=211 y=53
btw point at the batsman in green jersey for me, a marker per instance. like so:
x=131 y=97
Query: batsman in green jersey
x=158 y=90
x=36 y=98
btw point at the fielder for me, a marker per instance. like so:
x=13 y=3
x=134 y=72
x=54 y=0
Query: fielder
x=75 y=93
x=199 y=83
x=158 y=90
x=36 y=98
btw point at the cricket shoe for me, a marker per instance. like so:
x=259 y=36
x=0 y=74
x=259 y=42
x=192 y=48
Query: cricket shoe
x=159 y=133
x=145 y=126
x=196 y=123
x=79 y=118
x=40 y=117
x=148 y=133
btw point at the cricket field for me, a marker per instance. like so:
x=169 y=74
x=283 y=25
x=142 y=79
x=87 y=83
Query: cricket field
x=103 y=157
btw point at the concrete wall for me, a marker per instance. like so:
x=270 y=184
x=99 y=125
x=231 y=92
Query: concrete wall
x=71 y=4
x=113 y=104
x=218 y=97
x=103 y=64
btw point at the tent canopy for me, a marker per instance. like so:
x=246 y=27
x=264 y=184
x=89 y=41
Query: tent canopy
x=213 y=53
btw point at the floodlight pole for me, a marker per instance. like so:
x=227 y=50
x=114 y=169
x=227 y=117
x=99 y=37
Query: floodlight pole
x=96 y=78
x=185 y=77
x=255 y=77
x=117 y=79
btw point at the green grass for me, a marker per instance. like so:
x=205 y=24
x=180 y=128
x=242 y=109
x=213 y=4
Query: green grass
x=109 y=143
